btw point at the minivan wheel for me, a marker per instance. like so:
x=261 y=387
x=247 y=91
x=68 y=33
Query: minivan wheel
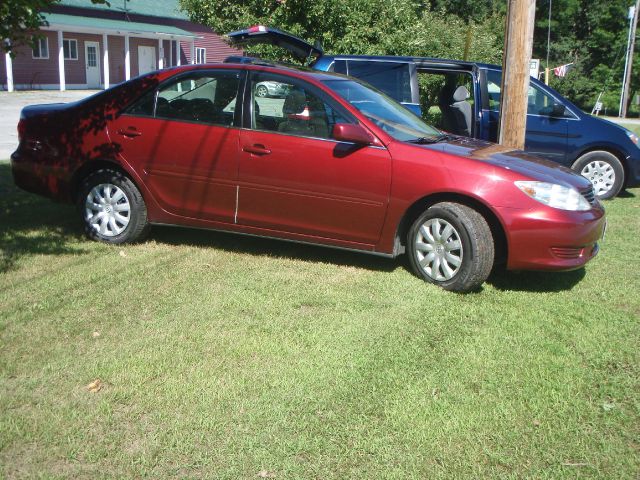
x=451 y=246
x=603 y=170
x=111 y=208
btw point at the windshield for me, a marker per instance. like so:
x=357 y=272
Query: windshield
x=389 y=115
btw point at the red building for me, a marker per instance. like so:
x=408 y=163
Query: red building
x=88 y=46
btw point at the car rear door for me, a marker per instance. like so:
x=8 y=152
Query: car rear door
x=182 y=140
x=295 y=178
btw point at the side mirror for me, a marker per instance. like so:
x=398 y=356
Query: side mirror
x=558 y=110
x=347 y=132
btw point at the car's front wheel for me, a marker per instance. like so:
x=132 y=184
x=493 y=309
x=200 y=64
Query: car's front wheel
x=603 y=170
x=451 y=245
x=112 y=208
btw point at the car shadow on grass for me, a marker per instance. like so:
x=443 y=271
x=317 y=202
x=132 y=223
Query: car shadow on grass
x=504 y=280
x=626 y=194
x=32 y=225
x=259 y=246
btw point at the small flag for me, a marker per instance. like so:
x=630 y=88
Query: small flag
x=562 y=70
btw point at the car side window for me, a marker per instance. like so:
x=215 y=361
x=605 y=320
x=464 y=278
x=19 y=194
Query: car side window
x=202 y=97
x=284 y=105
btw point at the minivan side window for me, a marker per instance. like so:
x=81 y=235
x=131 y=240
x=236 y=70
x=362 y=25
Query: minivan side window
x=538 y=101
x=393 y=78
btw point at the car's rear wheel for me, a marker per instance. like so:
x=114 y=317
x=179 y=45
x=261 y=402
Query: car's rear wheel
x=603 y=170
x=451 y=245
x=112 y=208
x=261 y=91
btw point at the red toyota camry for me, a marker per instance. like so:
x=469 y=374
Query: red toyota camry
x=327 y=161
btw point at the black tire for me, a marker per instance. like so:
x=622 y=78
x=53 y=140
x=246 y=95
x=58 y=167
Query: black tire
x=608 y=183
x=475 y=255
x=111 y=208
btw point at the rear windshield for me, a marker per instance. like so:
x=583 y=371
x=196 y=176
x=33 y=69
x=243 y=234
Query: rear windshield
x=388 y=114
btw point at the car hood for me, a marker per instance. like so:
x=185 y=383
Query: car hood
x=514 y=160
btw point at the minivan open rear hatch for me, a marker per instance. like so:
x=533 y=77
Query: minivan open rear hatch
x=302 y=50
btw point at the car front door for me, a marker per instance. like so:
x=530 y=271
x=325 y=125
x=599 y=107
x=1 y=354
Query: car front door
x=294 y=177
x=182 y=141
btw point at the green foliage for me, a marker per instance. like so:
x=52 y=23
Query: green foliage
x=20 y=18
x=592 y=35
x=374 y=27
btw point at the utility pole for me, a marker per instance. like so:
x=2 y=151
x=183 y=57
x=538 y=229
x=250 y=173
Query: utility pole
x=628 y=64
x=546 y=68
x=518 y=43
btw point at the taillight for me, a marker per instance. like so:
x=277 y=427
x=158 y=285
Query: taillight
x=22 y=129
x=257 y=29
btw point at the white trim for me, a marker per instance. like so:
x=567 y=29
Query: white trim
x=127 y=58
x=160 y=55
x=115 y=32
x=204 y=55
x=74 y=41
x=193 y=52
x=105 y=59
x=9 y=64
x=46 y=41
x=61 y=62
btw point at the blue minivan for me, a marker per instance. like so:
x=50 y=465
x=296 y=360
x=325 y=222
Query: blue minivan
x=463 y=98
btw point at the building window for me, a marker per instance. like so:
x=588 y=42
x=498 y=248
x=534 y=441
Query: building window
x=201 y=55
x=40 y=47
x=70 y=48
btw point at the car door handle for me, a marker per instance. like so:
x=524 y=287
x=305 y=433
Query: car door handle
x=256 y=149
x=129 y=132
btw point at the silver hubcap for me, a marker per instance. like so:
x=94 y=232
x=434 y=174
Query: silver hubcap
x=439 y=249
x=107 y=209
x=262 y=91
x=601 y=175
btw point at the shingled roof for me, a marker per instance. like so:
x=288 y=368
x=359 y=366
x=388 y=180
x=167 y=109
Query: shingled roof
x=154 y=8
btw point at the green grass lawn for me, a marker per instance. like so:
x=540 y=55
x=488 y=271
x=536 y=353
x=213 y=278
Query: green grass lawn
x=228 y=357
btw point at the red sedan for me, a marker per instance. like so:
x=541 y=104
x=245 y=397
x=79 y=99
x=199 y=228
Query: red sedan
x=334 y=162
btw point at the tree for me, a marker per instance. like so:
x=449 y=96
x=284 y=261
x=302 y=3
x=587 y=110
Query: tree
x=376 y=27
x=592 y=36
x=20 y=18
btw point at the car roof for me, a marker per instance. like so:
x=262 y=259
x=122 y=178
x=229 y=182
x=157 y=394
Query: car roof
x=441 y=62
x=300 y=72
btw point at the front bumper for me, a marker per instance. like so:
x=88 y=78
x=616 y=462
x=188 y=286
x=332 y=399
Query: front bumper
x=550 y=239
x=633 y=171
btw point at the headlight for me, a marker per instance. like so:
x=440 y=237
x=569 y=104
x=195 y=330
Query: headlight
x=556 y=196
x=633 y=137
